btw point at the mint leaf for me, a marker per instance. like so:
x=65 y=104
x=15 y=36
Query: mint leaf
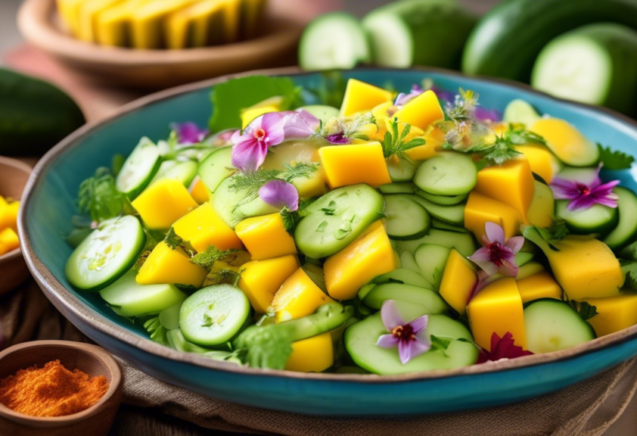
x=586 y=311
x=212 y=254
x=290 y=220
x=614 y=159
x=440 y=343
x=229 y=98
x=172 y=239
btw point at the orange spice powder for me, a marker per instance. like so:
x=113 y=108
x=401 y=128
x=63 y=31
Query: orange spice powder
x=51 y=390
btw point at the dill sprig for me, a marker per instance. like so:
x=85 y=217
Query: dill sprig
x=299 y=170
x=98 y=196
x=394 y=142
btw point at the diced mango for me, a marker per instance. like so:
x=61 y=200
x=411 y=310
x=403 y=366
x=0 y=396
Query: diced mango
x=260 y=279
x=265 y=236
x=542 y=161
x=568 y=143
x=8 y=240
x=9 y=215
x=541 y=285
x=383 y=111
x=542 y=208
x=298 y=296
x=497 y=309
x=511 y=183
x=434 y=139
x=613 y=314
x=203 y=228
x=361 y=96
x=352 y=164
x=272 y=104
x=481 y=209
x=199 y=192
x=459 y=279
x=314 y=354
x=422 y=111
x=163 y=203
x=165 y=265
x=368 y=256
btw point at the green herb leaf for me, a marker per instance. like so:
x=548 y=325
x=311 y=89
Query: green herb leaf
x=299 y=170
x=227 y=276
x=264 y=347
x=98 y=196
x=614 y=159
x=172 y=239
x=394 y=143
x=345 y=229
x=440 y=343
x=212 y=254
x=629 y=268
x=587 y=311
x=290 y=220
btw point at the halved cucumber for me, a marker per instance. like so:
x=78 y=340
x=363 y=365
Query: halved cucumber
x=597 y=219
x=182 y=171
x=449 y=214
x=520 y=112
x=398 y=188
x=139 y=168
x=443 y=200
x=447 y=173
x=431 y=260
x=106 y=254
x=333 y=41
x=463 y=242
x=403 y=276
x=361 y=338
x=336 y=219
x=406 y=219
x=553 y=325
x=423 y=297
x=626 y=230
x=213 y=315
x=401 y=171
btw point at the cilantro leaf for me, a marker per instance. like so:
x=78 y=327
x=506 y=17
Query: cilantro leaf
x=212 y=254
x=172 y=239
x=585 y=310
x=98 y=196
x=290 y=220
x=501 y=151
x=614 y=159
x=265 y=347
x=556 y=232
x=629 y=269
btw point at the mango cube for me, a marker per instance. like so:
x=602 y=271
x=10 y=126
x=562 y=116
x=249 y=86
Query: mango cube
x=203 y=228
x=458 y=281
x=382 y=111
x=542 y=161
x=366 y=257
x=497 y=309
x=260 y=279
x=298 y=296
x=511 y=183
x=199 y=192
x=265 y=236
x=272 y=104
x=8 y=240
x=537 y=286
x=422 y=111
x=613 y=314
x=361 y=96
x=165 y=265
x=314 y=354
x=481 y=209
x=163 y=203
x=353 y=164
x=434 y=139
x=9 y=215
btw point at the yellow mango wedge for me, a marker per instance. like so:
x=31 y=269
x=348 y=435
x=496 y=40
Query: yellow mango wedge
x=422 y=111
x=314 y=354
x=298 y=296
x=613 y=314
x=147 y=22
x=368 y=256
x=163 y=203
x=353 y=164
x=199 y=192
x=202 y=227
x=361 y=96
x=481 y=209
x=113 y=25
x=272 y=104
x=497 y=309
x=568 y=143
x=265 y=236
x=172 y=266
x=8 y=240
x=198 y=25
x=88 y=12
x=434 y=139
x=261 y=279
x=537 y=286
x=542 y=161
x=459 y=279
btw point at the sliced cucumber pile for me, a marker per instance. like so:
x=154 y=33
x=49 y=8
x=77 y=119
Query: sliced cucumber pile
x=431 y=259
x=406 y=219
x=403 y=276
x=448 y=174
x=416 y=295
x=597 y=219
x=182 y=171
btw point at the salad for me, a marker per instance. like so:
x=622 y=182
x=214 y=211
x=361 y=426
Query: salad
x=376 y=232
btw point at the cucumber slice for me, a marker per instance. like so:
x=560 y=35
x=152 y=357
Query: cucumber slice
x=443 y=200
x=216 y=168
x=407 y=261
x=626 y=230
x=520 y=112
x=403 y=276
x=523 y=257
x=127 y=298
x=177 y=341
x=183 y=172
x=398 y=188
x=553 y=325
x=431 y=260
x=406 y=219
x=597 y=219
x=233 y=206
x=333 y=41
x=436 y=224
x=336 y=219
x=322 y=112
x=139 y=168
x=423 y=297
x=106 y=254
x=585 y=176
x=213 y=315
x=463 y=242
x=447 y=173
x=169 y=318
x=449 y=214
x=401 y=171
x=361 y=338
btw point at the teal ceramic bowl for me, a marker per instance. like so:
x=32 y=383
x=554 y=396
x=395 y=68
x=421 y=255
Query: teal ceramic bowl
x=49 y=204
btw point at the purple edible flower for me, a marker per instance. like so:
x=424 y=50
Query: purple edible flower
x=251 y=147
x=482 y=114
x=497 y=256
x=280 y=194
x=189 y=133
x=338 y=138
x=402 y=98
x=443 y=95
x=410 y=337
x=299 y=124
x=582 y=195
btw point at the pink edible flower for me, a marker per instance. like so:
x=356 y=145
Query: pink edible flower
x=502 y=348
x=482 y=114
x=251 y=147
x=280 y=194
x=582 y=195
x=409 y=337
x=299 y=124
x=497 y=255
x=189 y=133
x=402 y=98
x=338 y=138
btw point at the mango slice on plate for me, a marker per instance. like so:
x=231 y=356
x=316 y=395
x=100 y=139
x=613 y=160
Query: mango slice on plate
x=9 y=214
x=260 y=279
x=163 y=203
x=422 y=111
x=113 y=25
x=353 y=164
x=298 y=296
x=434 y=139
x=167 y=265
x=537 y=286
x=147 y=22
x=459 y=279
x=265 y=236
x=361 y=96
x=203 y=228
x=87 y=16
x=197 y=25
x=314 y=354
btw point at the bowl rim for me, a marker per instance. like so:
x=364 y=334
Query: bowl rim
x=64 y=300
x=82 y=347
x=25 y=167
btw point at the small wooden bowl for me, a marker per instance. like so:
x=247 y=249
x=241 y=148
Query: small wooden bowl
x=13 y=178
x=91 y=359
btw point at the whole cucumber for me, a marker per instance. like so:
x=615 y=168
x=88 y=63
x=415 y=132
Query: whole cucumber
x=34 y=115
x=507 y=40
